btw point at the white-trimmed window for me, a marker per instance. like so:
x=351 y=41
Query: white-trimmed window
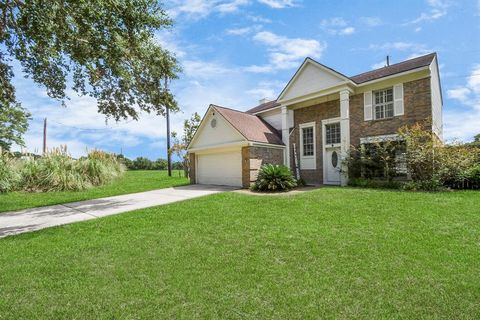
x=383 y=104
x=332 y=133
x=307 y=146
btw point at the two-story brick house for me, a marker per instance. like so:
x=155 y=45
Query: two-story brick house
x=314 y=121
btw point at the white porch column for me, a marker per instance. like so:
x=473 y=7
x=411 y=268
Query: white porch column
x=286 y=136
x=345 y=131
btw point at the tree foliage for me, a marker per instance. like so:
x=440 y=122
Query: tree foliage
x=13 y=118
x=180 y=144
x=107 y=48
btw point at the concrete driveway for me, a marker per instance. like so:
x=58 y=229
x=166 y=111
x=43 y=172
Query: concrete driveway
x=39 y=218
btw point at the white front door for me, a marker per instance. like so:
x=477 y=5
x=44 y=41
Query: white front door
x=332 y=165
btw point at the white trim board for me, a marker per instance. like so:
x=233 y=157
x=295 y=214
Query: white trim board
x=386 y=137
x=324 y=146
x=308 y=162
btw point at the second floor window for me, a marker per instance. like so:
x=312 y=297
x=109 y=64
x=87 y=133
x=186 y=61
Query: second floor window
x=383 y=104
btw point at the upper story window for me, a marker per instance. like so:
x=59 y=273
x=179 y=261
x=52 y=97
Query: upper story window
x=307 y=141
x=332 y=133
x=383 y=104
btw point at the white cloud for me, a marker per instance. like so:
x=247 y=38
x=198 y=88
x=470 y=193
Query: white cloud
x=463 y=121
x=258 y=19
x=461 y=94
x=337 y=26
x=198 y=69
x=371 y=21
x=198 y=9
x=379 y=65
x=243 y=31
x=437 y=9
x=167 y=41
x=267 y=89
x=279 y=4
x=285 y=53
x=413 y=49
x=231 y=6
x=347 y=31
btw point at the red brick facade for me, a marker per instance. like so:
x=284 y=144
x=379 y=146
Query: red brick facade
x=191 y=172
x=253 y=158
x=317 y=113
x=417 y=107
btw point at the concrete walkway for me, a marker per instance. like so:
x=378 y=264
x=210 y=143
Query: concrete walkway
x=39 y=218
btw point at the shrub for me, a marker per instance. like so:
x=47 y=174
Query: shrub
x=433 y=164
x=274 y=178
x=431 y=185
x=9 y=174
x=375 y=183
x=374 y=160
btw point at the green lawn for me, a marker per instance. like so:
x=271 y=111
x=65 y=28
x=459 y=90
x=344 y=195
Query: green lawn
x=329 y=253
x=132 y=181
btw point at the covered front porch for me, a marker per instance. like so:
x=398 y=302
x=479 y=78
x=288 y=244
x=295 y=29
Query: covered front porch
x=315 y=113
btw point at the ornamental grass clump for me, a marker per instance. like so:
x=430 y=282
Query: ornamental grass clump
x=100 y=167
x=273 y=177
x=58 y=171
x=9 y=173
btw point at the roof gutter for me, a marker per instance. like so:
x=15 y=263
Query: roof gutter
x=393 y=76
x=268 y=145
x=220 y=146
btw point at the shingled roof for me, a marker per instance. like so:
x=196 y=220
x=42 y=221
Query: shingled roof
x=379 y=73
x=264 y=106
x=392 y=69
x=252 y=127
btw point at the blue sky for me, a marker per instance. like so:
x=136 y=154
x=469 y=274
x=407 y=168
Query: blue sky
x=235 y=52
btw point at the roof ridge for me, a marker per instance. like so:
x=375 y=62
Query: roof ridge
x=231 y=109
x=392 y=65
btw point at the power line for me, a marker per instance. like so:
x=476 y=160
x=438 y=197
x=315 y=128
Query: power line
x=90 y=129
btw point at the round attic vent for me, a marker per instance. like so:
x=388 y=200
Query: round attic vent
x=213 y=123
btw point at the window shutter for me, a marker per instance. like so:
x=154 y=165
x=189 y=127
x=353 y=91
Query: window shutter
x=367 y=105
x=398 y=100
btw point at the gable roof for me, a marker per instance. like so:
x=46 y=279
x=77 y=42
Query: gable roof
x=252 y=127
x=392 y=69
x=264 y=106
x=407 y=65
x=323 y=67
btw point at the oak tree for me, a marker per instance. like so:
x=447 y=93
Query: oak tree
x=105 y=49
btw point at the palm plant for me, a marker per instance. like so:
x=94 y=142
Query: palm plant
x=273 y=177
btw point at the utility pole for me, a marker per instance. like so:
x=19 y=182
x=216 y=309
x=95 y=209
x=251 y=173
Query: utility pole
x=44 y=136
x=169 y=158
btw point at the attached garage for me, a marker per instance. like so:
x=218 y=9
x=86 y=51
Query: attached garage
x=230 y=146
x=223 y=168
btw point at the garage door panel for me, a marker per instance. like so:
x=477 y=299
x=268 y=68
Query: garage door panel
x=220 y=168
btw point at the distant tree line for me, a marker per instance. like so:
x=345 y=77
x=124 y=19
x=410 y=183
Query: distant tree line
x=142 y=163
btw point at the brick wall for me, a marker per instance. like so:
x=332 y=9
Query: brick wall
x=418 y=107
x=254 y=157
x=191 y=173
x=317 y=113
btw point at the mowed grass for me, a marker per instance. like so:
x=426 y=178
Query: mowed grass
x=330 y=253
x=130 y=182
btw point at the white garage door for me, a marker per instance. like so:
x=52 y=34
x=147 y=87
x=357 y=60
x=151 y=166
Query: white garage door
x=220 y=168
